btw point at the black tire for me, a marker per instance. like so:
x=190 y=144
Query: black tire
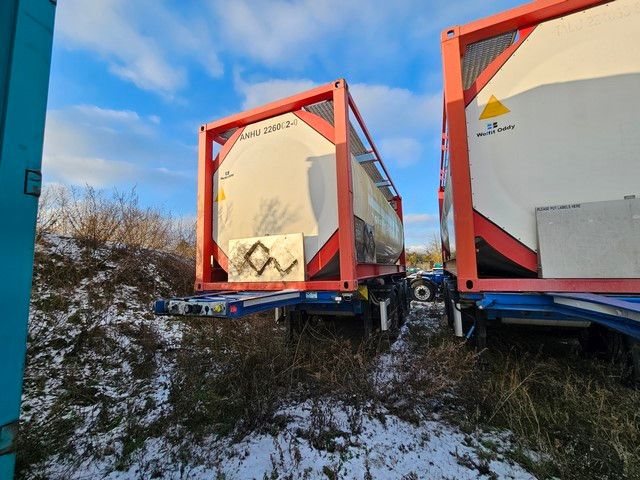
x=593 y=341
x=448 y=308
x=423 y=290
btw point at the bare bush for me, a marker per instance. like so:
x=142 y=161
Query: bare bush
x=184 y=237
x=142 y=228
x=90 y=217
x=95 y=218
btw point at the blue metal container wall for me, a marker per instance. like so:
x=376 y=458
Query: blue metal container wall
x=26 y=32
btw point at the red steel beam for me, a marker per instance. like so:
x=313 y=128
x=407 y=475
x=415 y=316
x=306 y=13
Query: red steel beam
x=346 y=228
x=398 y=207
x=595 y=285
x=289 y=104
x=239 y=286
x=459 y=164
x=525 y=15
x=205 y=193
x=372 y=270
x=505 y=243
x=495 y=66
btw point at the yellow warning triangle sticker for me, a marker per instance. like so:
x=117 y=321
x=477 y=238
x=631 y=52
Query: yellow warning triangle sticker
x=493 y=109
x=220 y=197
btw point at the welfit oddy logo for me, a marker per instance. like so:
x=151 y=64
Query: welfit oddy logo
x=494 y=108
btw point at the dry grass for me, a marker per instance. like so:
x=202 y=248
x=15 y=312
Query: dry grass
x=235 y=375
x=574 y=411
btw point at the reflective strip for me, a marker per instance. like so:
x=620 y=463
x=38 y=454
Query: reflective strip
x=273 y=298
x=598 y=308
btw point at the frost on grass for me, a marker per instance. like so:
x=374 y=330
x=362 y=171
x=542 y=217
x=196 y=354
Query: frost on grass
x=327 y=439
x=112 y=392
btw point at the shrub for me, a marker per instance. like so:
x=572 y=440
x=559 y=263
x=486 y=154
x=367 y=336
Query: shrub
x=95 y=218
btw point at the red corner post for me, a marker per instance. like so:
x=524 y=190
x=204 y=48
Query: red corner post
x=467 y=271
x=346 y=235
x=205 y=214
x=397 y=203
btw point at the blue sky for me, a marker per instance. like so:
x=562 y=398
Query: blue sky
x=132 y=80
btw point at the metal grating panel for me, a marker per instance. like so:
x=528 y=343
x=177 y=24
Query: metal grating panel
x=226 y=135
x=357 y=147
x=480 y=54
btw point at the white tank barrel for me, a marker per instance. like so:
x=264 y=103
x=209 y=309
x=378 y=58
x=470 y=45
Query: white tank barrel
x=279 y=178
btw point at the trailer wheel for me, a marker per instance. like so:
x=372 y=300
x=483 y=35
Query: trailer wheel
x=593 y=340
x=423 y=290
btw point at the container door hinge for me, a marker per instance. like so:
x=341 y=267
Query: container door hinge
x=8 y=436
x=32 y=182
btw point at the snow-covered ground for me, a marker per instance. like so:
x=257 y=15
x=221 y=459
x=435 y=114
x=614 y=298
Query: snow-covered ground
x=381 y=447
x=100 y=366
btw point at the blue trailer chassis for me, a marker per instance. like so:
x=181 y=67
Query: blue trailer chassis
x=239 y=304
x=620 y=313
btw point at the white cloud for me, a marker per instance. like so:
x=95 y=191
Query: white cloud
x=142 y=41
x=420 y=229
x=419 y=238
x=410 y=218
x=402 y=151
x=299 y=33
x=397 y=111
x=416 y=248
x=365 y=38
x=96 y=172
x=256 y=94
x=275 y=32
x=108 y=114
x=151 y=43
x=86 y=144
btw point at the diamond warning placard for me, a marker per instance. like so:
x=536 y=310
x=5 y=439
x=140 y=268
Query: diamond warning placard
x=493 y=108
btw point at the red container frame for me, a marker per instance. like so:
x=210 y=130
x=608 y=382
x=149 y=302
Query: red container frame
x=211 y=262
x=468 y=223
